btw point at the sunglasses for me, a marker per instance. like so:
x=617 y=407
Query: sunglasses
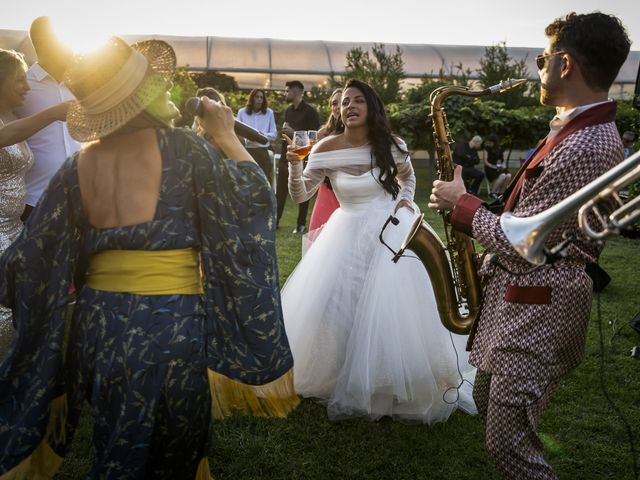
x=541 y=60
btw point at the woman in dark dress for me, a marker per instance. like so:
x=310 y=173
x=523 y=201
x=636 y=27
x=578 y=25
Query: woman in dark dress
x=171 y=247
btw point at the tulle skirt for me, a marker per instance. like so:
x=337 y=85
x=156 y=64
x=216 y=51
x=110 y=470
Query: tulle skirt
x=364 y=331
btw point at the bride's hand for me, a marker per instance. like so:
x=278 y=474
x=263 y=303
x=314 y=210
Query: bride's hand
x=404 y=203
x=291 y=157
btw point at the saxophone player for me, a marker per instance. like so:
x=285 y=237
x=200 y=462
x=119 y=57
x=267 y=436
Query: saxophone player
x=532 y=329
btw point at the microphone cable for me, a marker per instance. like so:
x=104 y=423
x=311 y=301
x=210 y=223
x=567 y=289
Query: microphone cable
x=463 y=380
x=607 y=396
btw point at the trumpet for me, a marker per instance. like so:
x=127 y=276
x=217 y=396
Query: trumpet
x=528 y=235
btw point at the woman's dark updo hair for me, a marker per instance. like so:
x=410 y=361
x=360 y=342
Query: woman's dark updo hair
x=380 y=137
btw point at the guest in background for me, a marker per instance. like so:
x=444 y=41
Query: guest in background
x=465 y=154
x=494 y=167
x=198 y=126
x=628 y=141
x=298 y=116
x=257 y=114
x=15 y=158
x=52 y=145
x=326 y=201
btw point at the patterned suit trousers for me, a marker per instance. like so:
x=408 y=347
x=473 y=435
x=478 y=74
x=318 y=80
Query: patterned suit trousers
x=511 y=408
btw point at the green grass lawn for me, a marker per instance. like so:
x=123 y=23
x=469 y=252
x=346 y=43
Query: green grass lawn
x=583 y=436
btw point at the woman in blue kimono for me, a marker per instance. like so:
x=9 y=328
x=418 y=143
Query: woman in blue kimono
x=172 y=250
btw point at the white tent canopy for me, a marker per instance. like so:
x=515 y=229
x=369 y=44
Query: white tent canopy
x=269 y=63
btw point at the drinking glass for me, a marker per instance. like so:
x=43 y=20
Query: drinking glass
x=301 y=145
x=313 y=137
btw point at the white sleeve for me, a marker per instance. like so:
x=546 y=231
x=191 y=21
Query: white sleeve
x=271 y=132
x=407 y=180
x=302 y=185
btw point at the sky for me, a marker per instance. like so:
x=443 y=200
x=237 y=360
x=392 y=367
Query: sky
x=463 y=22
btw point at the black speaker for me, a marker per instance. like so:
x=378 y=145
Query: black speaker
x=636 y=94
x=600 y=278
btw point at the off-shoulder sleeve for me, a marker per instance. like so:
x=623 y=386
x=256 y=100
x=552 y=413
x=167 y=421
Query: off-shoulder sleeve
x=248 y=355
x=36 y=271
x=303 y=184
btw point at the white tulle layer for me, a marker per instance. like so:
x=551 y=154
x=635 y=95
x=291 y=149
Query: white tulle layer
x=364 y=331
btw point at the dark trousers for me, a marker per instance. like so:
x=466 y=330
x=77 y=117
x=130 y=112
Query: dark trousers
x=262 y=158
x=475 y=176
x=511 y=408
x=282 y=192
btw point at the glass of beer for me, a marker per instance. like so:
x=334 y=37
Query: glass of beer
x=313 y=137
x=301 y=145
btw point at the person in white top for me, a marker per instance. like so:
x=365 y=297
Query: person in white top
x=52 y=145
x=258 y=115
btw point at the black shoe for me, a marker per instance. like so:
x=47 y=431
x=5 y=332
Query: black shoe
x=299 y=229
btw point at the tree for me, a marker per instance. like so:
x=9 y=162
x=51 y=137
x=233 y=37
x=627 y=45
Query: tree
x=381 y=70
x=496 y=65
x=220 y=81
x=183 y=88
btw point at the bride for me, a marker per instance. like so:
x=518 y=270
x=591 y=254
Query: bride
x=364 y=331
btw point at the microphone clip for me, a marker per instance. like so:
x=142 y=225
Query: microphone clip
x=396 y=255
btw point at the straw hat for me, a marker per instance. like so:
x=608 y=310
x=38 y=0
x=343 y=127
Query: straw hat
x=115 y=84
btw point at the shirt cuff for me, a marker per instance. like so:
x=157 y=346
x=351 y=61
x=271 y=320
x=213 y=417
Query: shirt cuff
x=463 y=212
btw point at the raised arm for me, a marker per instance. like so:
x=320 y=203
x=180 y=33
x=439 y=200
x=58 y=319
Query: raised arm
x=302 y=184
x=20 y=130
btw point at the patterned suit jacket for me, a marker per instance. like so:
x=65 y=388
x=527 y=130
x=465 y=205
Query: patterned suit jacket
x=534 y=325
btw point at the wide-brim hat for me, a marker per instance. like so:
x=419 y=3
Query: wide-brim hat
x=115 y=84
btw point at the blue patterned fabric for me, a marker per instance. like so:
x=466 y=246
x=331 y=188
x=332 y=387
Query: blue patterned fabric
x=142 y=361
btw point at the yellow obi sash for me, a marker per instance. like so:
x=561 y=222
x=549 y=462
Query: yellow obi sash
x=146 y=272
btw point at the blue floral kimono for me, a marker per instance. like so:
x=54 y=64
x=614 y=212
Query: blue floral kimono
x=153 y=368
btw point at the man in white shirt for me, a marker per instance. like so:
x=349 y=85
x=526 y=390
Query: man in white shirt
x=52 y=145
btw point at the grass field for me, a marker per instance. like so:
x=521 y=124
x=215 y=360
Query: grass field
x=583 y=436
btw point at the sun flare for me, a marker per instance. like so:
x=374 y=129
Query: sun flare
x=80 y=37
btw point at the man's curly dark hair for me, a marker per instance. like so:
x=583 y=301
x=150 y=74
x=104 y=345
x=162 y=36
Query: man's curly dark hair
x=597 y=41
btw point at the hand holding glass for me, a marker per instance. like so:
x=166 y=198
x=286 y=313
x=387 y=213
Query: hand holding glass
x=301 y=145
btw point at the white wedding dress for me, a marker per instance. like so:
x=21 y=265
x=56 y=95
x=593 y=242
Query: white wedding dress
x=364 y=331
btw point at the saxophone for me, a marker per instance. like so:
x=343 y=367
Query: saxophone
x=451 y=267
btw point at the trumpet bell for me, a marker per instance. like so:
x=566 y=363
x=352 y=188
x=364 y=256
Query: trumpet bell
x=527 y=236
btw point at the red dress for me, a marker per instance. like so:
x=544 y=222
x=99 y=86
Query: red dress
x=326 y=204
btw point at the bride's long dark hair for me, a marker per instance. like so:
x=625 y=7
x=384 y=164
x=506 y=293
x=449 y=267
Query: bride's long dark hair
x=380 y=137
